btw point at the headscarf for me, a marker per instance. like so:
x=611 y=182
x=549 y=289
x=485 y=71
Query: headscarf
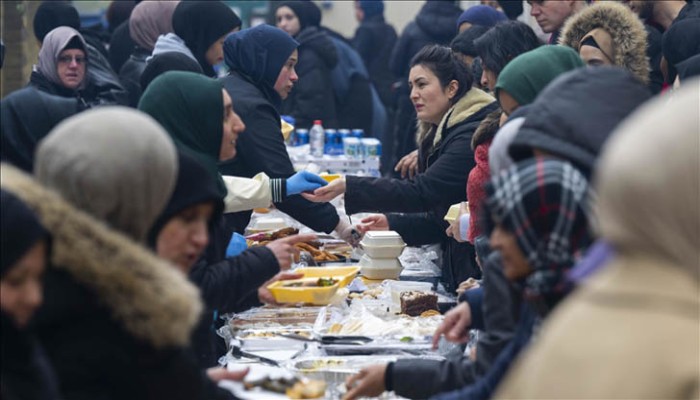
x=371 y=7
x=307 y=12
x=194 y=186
x=616 y=30
x=164 y=62
x=527 y=74
x=200 y=24
x=115 y=163
x=259 y=53
x=545 y=204
x=464 y=42
x=481 y=15
x=54 y=43
x=26 y=117
x=150 y=19
x=654 y=210
x=52 y=14
x=20 y=229
x=191 y=109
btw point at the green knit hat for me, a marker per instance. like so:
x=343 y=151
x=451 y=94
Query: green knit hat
x=527 y=74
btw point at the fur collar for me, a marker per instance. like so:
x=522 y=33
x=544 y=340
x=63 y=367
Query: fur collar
x=473 y=101
x=149 y=297
x=628 y=35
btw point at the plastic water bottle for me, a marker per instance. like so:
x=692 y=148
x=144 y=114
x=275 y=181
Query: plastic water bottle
x=317 y=139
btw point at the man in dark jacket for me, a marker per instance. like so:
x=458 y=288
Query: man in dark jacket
x=434 y=24
x=262 y=61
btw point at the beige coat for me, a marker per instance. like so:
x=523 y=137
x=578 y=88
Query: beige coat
x=633 y=332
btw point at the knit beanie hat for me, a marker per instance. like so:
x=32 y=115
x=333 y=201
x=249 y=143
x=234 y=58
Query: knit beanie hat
x=52 y=14
x=481 y=15
x=529 y=73
x=371 y=7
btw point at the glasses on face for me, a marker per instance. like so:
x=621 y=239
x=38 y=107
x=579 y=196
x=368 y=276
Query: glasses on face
x=80 y=60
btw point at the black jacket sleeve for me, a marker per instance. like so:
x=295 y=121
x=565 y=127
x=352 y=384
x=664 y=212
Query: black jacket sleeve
x=313 y=97
x=226 y=283
x=418 y=229
x=261 y=145
x=399 y=56
x=445 y=182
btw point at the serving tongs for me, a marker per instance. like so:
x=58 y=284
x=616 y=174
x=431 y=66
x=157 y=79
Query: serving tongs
x=238 y=353
x=328 y=340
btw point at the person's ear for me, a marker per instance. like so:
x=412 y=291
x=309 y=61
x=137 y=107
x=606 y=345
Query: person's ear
x=452 y=89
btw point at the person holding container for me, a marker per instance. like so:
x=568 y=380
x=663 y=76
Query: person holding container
x=449 y=111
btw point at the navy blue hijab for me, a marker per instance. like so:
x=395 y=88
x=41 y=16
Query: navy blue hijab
x=259 y=53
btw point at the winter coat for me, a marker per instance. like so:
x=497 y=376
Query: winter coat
x=629 y=38
x=261 y=149
x=580 y=136
x=625 y=310
x=312 y=97
x=130 y=74
x=27 y=116
x=120 y=46
x=116 y=321
x=484 y=388
x=478 y=177
x=25 y=373
x=227 y=285
x=444 y=166
x=418 y=379
x=374 y=40
x=102 y=85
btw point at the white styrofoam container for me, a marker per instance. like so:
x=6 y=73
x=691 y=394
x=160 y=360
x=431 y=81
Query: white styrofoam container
x=389 y=268
x=382 y=251
x=382 y=238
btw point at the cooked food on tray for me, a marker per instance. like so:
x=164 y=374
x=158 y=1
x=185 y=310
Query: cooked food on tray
x=415 y=303
x=293 y=387
x=320 y=282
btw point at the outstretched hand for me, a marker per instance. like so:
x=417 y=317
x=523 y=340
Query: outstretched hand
x=284 y=250
x=327 y=193
x=304 y=181
x=374 y=222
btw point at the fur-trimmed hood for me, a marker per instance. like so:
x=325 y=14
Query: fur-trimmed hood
x=627 y=31
x=151 y=299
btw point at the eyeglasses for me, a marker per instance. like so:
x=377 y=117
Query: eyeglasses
x=80 y=60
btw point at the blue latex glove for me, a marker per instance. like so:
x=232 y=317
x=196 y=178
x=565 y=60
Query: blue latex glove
x=304 y=181
x=236 y=246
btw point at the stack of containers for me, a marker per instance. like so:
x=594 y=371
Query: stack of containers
x=381 y=259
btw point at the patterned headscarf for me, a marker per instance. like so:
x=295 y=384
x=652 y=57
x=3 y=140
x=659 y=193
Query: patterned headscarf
x=545 y=204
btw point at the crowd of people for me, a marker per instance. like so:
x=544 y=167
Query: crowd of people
x=132 y=157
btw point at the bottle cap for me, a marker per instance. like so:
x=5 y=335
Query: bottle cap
x=317 y=122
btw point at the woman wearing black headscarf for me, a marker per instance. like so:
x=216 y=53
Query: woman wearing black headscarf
x=262 y=62
x=203 y=25
x=24 y=371
x=313 y=98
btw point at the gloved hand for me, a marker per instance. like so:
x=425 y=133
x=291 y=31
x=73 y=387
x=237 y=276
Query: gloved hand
x=236 y=245
x=304 y=181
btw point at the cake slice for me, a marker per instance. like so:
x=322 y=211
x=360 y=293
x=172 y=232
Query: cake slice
x=415 y=303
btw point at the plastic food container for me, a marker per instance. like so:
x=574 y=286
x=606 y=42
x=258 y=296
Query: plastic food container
x=310 y=295
x=382 y=251
x=382 y=238
x=329 y=177
x=345 y=275
x=452 y=213
x=269 y=224
x=389 y=268
x=407 y=286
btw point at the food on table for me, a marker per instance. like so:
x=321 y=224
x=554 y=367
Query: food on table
x=316 y=253
x=429 y=313
x=272 y=333
x=320 y=282
x=293 y=387
x=414 y=303
x=320 y=364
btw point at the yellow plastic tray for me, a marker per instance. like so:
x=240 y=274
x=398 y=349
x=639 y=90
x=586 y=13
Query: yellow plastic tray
x=344 y=274
x=311 y=295
x=330 y=177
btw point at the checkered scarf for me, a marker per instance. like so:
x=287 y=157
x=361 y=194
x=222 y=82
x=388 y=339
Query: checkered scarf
x=545 y=203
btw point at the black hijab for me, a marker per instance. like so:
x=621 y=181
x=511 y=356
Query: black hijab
x=20 y=230
x=200 y=24
x=194 y=186
x=306 y=11
x=26 y=117
x=259 y=53
x=164 y=62
x=52 y=14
